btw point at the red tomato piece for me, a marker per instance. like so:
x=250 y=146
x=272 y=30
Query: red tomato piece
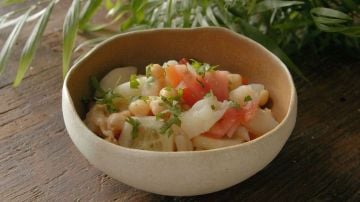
x=195 y=88
x=231 y=119
x=245 y=81
x=222 y=127
x=218 y=81
x=247 y=112
x=183 y=61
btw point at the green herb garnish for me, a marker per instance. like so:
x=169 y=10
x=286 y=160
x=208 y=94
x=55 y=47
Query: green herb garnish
x=107 y=100
x=166 y=127
x=104 y=97
x=148 y=70
x=95 y=84
x=159 y=115
x=135 y=126
x=134 y=83
x=202 y=68
x=209 y=94
x=234 y=105
x=180 y=92
x=247 y=98
x=175 y=111
x=213 y=107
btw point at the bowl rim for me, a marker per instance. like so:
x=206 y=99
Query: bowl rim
x=290 y=110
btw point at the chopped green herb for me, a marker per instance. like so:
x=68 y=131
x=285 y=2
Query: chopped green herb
x=95 y=84
x=180 y=92
x=202 y=68
x=247 y=98
x=213 y=107
x=166 y=127
x=168 y=88
x=175 y=111
x=201 y=83
x=159 y=115
x=134 y=83
x=150 y=80
x=209 y=94
x=148 y=70
x=234 y=105
x=107 y=100
x=135 y=126
x=104 y=97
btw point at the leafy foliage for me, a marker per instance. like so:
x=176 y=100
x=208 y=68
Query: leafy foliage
x=284 y=27
x=32 y=43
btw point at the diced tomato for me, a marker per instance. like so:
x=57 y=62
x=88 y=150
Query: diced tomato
x=247 y=111
x=245 y=81
x=222 y=127
x=195 y=88
x=232 y=118
x=173 y=76
x=183 y=61
x=218 y=81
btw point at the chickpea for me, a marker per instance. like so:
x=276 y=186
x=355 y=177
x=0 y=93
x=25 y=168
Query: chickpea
x=139 y=108
x=263 y=97
x=116 y=121
x=235 y=80
x=168 y=92
x=157 y=71
x=120 y=103
x=157 y=106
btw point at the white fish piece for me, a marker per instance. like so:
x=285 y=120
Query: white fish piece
x=116 y=77
x=182 y=141
x=126 y=91
x=242 y=133
x=262 y=122
x=148 y=137
x=239 y=94
x=202 y=116
x=170 y=63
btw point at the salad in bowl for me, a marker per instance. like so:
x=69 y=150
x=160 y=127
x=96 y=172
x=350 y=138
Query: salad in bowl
x=183 y=105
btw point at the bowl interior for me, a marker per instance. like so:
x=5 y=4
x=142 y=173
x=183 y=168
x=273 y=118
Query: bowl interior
x=217 y=46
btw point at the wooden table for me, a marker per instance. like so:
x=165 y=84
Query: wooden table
x=38 y=161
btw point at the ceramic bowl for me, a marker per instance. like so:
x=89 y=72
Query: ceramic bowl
x=181 y=173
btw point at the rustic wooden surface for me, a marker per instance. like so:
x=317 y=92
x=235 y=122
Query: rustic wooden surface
x=320 y=161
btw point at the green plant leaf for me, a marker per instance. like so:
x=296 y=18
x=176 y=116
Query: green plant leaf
x=70 y=28
x=274 y=4
x=256 y=35
x=10 y=2
x=3 y=18
x=331 y=20
x=330 y=13
x=10 y=42
x=211 y=16
x=12 y=22
x=88 y=12
x=32 y=44
x=114 y=8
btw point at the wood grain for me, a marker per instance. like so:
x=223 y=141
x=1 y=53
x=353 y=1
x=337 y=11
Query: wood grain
x=38 y=162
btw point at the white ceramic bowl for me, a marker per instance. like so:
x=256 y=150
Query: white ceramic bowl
x=181 y=173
